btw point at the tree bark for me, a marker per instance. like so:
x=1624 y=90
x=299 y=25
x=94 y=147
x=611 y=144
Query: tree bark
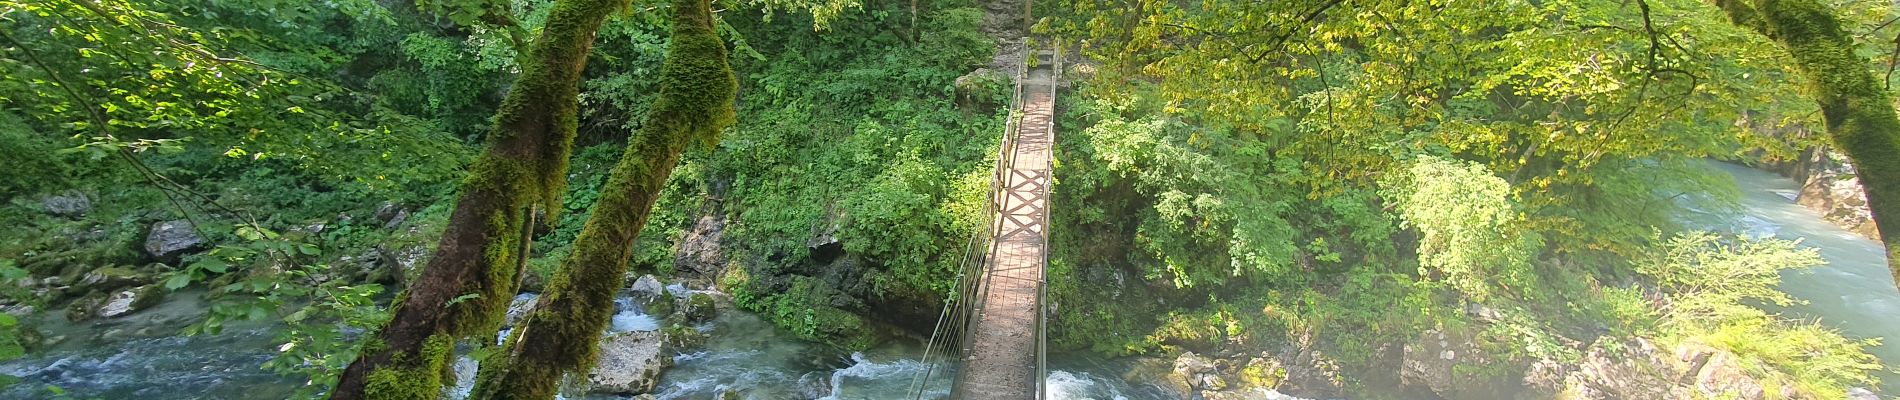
x=561 y=335
x=1859 y=113
x=467 y=284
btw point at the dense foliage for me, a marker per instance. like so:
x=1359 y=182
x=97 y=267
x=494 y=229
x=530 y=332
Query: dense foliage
x=1232 y=177
x=1251 y=174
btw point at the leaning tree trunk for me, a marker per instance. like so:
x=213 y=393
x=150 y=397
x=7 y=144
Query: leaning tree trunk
x=468 y=282
x=560 y=336
x=1860 y=116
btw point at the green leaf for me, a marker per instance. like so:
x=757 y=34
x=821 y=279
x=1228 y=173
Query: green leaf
x=462 y=298
x=307 y=249
x=297 y=316
x=177 y=281
x=249 y=233
x=213 y=264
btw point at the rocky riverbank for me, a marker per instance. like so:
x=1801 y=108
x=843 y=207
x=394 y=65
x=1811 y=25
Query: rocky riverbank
x=1830 y=187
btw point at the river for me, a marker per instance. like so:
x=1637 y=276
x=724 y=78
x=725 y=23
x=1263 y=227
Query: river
x=138 y=357
x=1853 y=292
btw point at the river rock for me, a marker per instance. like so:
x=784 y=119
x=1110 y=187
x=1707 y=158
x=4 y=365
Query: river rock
x=813 y=385
x=169 y=239
x=630 y=363
x=699 y=308
x=110 y=278
x=18 y=310
x=1190 y=373
x=69 y=204
x=128 y=301
x=115 y=304
x=647 y=287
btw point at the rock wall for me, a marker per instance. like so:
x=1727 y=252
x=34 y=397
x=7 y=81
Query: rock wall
x=1835 y=192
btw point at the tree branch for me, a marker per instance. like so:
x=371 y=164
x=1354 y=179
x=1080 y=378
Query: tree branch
x=1279 y=42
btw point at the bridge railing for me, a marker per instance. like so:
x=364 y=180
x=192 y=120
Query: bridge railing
x=1042 y=274
x=950 y=340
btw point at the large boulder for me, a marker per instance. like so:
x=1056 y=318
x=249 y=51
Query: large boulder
x=699 y=308
x=1192 y=372
x=131 y=300
x=69 y=204
x=114 y=304
x=647 y=287
x=630 y=363
x=169 y=239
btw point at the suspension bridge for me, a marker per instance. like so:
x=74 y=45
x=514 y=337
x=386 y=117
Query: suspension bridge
x=992 y=336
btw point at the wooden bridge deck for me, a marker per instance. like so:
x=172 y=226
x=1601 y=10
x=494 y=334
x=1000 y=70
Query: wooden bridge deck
x=1002 y=360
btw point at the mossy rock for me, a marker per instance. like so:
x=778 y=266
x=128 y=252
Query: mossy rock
x=147 y=297
x=71 y=273
x=661 y=307
x=1265 y=373
x=831 y=325
x=700 y=308
x=112 y=278
x=681 y=337
x=86 y=307
x=114 y=304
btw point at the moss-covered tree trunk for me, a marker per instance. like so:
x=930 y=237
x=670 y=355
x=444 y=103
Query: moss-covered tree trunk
x=467 y=284
x=1860 y=117
x=561 y=335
